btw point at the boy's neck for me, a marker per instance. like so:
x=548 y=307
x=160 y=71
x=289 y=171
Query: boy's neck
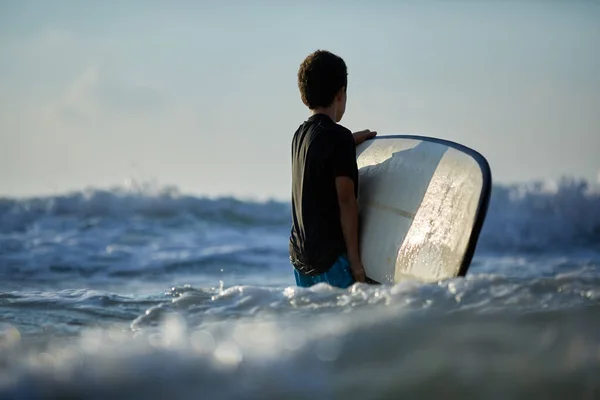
x=329 y=111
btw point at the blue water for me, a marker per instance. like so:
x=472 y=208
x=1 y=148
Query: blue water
x=155 y=294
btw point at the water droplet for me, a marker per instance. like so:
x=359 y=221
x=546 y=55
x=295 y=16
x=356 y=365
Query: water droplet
x=295 y=338
x=45 y=359
x=91 y=340
x=175 y=327
x=9 y=337
x=228 y=355
x=202 y=341
x=328 y=349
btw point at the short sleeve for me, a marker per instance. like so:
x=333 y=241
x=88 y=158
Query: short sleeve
x=345 y=156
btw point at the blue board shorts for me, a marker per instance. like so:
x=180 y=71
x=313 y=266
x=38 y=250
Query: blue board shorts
x=339 y=275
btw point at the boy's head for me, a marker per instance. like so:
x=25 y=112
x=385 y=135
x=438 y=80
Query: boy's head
x=323 y=80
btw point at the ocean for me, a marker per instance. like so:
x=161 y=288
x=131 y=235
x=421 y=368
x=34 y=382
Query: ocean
x=151 y=293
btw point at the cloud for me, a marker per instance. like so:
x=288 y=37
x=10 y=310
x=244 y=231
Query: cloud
x=98 y=93
x=59 y=74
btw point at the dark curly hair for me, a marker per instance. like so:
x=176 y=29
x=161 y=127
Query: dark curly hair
x=321 y=75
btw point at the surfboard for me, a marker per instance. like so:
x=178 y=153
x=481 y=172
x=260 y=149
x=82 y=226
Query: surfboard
x=422 y=202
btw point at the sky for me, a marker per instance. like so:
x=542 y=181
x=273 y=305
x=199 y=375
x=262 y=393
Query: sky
x=203 y=96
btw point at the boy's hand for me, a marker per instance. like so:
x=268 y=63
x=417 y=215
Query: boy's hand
x=358 y=272
x=363 y=135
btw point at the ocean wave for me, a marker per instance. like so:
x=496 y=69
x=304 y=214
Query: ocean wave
x=159 y=204
x=473 y=338
x=533 y=216
x=543 y=216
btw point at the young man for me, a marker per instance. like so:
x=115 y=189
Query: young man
x=324 y=237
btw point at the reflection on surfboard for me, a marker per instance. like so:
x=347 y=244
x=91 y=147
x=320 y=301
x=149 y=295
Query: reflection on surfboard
x=422 y=202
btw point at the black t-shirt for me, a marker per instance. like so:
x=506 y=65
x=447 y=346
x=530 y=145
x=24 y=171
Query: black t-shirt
x=321 y=151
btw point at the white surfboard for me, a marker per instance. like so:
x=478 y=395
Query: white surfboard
x=422 y=202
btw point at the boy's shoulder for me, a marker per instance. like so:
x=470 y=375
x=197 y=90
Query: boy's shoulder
x=324 y=123
x=343 y=130
x=319 y=131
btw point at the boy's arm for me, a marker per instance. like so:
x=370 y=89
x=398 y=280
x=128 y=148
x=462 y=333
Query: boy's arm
x=349 y=219
x=363 y=135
